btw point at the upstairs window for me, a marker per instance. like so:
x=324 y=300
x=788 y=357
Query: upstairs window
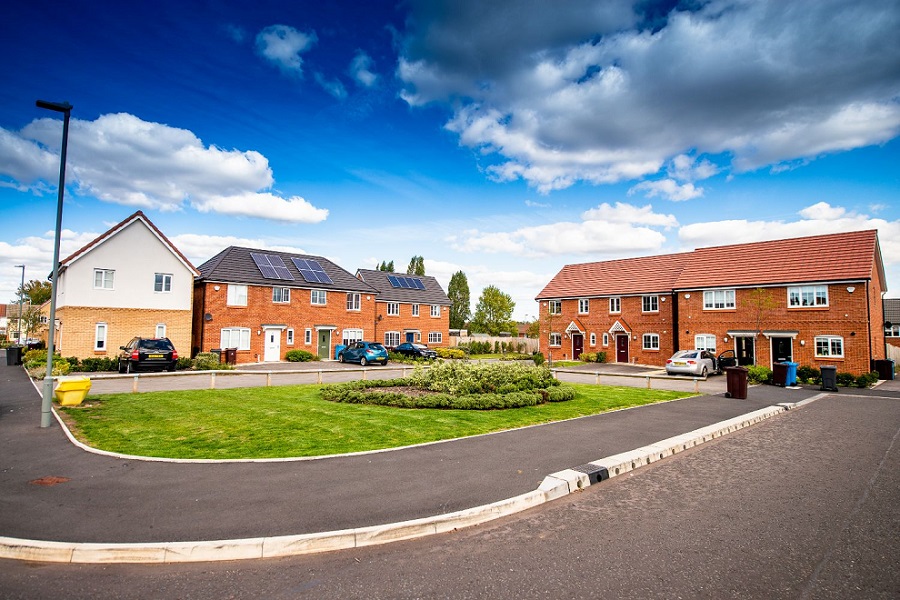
x=705 y=341
x=237 y=295
x=281 y=295
x=435 y=310
x=352 y=301
x=318 y=297
x=162 y=282
x=807 y=295
x=415 y=310
x=650 y=304
x=555 y=307
x=393 y=310
x=718 y=299
x=584 y=306
x=615 y=305
x=103 y=279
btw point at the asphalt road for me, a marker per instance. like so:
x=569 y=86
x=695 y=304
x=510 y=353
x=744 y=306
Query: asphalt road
x=803 y=505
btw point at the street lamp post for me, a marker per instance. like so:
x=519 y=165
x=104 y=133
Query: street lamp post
x=21 y=297
x=65 y=108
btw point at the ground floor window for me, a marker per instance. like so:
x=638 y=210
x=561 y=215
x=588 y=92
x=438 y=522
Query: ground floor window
x=351 y=336
x=235 y=337
x=99 y=337
x=829 y=346
x=160 y=330
x=556 y=339
x=605 y=340
x=307 y=339
x=290 y=337
x=391 y=338
x=435 y=337
x=651 y=341
x=705 y=341
x=593 y=340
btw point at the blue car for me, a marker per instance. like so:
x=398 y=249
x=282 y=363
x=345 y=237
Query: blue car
x=364 y=353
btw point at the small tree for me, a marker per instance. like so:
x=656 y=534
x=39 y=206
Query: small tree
x=386 y=266
x=760 y=302
x=493 y=313
x=458 y=292
x=416 y=266
x=36 y=291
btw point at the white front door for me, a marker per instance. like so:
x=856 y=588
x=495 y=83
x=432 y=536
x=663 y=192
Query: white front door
x=273 y=345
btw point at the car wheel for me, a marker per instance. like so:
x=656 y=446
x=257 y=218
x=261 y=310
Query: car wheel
x=703 y=372
x=128 y=367
x=384 y=363
x=363 y=362
x=171 y=368
x=121 y=368
x=341 y=357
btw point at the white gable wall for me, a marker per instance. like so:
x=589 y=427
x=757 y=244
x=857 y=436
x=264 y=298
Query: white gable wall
x=136 y=254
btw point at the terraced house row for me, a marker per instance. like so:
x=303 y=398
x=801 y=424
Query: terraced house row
x=812 y=300
x=132 y=281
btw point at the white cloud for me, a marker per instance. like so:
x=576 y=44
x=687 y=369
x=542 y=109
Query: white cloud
x=200 y=248
x=283 y=45
x=604 y=92
x=629 y=214
x=332 y=86
x=533 y=204
x=361 y=70
x=667 y=188
x=122 y=159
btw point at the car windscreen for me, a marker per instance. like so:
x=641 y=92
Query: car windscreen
x=156 y=345
x=376 y=346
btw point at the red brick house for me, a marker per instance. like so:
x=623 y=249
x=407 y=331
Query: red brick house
x=267 y=303
x=409 y=308
x=892 y=316
x=814 y=300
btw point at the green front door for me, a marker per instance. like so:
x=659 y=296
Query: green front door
x=324 y=343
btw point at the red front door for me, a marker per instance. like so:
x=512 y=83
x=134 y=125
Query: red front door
x=622 y=348
x=577 y=345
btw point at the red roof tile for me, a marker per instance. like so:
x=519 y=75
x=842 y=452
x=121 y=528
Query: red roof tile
x=648 y=274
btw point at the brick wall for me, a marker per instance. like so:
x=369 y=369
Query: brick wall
x=299 y=314
x=406 y=321
x=77 y=332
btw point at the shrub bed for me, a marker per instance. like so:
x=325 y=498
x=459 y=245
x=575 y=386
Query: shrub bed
x=458 y=386
x=300 y=356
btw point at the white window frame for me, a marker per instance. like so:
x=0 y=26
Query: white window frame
x=718 y=300
x=391 y=339
x=101 y=331
x=353 y=301
x=318 y=297
x=652 y=301
x=796 y=293
x=351 y=336
x=415 y=310
x=557 y=304
x=160 y=330
x=436 y=310
x=236 y=295
x=584 y=306
x=307 y=337
x=104 y=279
x=593 y=340
x=702 y=342
x=555 y=340
x=827 y=343
x=290 y=336
x=393 y=309
x=893 y=331
x=605 y=340
x=282 y=297
x=615 y=305
x=435 y=337
x=235 y=337
x=650 y=341
x=162 y=283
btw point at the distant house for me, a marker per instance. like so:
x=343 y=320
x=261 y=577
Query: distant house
x=410 y=308
x=267 y=303
x=130 y=281
x=892 y=316
x=814 y=300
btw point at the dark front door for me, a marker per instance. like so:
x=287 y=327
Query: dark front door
x=622 y=348
x=410 y=336
x=577 y=345
x=745 y=354
x=781 y=349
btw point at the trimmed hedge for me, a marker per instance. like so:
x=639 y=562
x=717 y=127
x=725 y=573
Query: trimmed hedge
x=300 y=356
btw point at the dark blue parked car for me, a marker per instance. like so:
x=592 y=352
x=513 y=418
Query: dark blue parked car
x=364 y=353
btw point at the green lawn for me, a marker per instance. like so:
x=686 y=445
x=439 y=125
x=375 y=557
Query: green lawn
x=294 y=421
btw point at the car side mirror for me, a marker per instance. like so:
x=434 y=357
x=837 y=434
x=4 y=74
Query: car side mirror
x=123 y=348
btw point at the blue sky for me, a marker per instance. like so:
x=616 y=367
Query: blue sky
x=505 y=139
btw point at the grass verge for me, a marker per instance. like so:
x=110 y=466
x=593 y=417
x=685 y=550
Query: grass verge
x=294 y=421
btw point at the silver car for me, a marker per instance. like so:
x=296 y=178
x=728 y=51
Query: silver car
x=691 y=362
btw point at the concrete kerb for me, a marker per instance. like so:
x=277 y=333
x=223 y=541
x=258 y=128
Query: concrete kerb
x=555 y=485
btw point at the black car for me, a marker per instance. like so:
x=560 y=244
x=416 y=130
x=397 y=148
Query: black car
x=415 y=350
x=147 y=354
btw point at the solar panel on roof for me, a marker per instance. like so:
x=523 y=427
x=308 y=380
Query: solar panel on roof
x=311 y=270
x=264 y=266
x=280 y=268
x=419 y=284
x=394 y=281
